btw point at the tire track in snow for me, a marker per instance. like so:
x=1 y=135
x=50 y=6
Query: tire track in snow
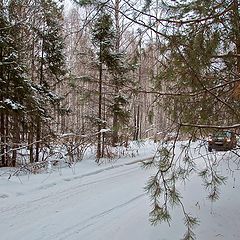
x=107 y=169
x=55 y=197
x=91 y=221
x=54 y=201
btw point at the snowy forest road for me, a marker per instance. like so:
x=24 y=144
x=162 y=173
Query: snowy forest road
x=102 y=205
x=108 y=202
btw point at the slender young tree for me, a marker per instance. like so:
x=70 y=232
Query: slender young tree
x=103 y=35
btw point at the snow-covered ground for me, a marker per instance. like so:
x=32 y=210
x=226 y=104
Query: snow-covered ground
x=108 y=202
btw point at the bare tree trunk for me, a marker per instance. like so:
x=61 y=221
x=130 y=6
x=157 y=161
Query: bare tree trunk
x=99 y=139
x=38 y=136
x=6 y=140
x=236 y=27
x=30 y=141
x=138 y=98
x=16 y=138
x=136 y=122
x=2 y=126
x=2 y=131
x=104 y=126
x=115 y=128
x=236 y=19
x=39 y=125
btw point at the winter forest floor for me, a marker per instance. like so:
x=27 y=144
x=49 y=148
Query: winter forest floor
x=108 y=202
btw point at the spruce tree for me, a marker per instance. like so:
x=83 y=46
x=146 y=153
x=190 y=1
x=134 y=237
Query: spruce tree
x=27 y=93
x=16 y=93
x=116 y=69
x=102 y=38
x=50 y=62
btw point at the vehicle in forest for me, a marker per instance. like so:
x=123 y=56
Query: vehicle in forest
x=222 y=141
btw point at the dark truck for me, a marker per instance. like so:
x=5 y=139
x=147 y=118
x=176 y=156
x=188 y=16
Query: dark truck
x=222 y=141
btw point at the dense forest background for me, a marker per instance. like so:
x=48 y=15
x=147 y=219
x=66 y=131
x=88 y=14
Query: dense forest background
x=102 y=73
